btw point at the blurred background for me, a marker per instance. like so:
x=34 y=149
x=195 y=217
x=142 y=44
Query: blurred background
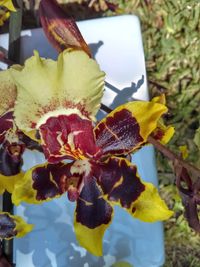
x=170 y=31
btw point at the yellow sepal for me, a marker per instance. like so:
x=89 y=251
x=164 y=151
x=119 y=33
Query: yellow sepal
x=159 y=99
x=8 y=91
x=168 y=132
x=8 y=182
x=90 y=239
x=149 y=207
x=22 y=228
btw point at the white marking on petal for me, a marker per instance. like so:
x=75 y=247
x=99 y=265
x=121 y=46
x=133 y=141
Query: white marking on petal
x=70 y=139
x=59 y=112
x=81 y=167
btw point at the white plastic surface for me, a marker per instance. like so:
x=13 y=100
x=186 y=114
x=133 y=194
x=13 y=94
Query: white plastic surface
x=117 y=46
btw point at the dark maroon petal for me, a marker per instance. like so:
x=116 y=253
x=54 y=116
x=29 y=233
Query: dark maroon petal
x=92 y=210
x=119 y=181
x=67 y=137
x=7 y=226
x=29 y=143
x=50 y=181
x=61 y=31
x=11 y=159
x=46 y=181
x=6 y=123
x=118 y=134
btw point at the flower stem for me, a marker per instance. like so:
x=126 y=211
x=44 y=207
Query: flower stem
x=173 y=157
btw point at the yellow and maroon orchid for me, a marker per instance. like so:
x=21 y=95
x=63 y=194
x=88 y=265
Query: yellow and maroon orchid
x=55 y=103
x=10 y=148
x=59 y=103
x=8 y=4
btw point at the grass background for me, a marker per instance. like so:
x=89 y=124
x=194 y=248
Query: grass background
x=171 y=42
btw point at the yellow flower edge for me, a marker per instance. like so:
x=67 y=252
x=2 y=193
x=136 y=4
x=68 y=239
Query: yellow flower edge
x=8 y=4
x=74 y=81
x=91 y=239
x=8 y=182
x=22 y=228
x=149 y=207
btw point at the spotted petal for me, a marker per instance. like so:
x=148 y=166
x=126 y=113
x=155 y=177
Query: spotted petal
x=121 y=185
x=42 y=183
x=73 y=84
x=92 y=217
x=162 y=132
x=127 y=127
x=13 y=226
x=8 y=92
x=8 y=182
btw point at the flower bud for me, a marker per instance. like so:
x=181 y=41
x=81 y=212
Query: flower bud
x=61 y=31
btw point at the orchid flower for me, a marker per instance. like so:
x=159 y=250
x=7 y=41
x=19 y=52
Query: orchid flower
x=60 y=102
x=54 y=103
x=11 y=150
x=8 y=4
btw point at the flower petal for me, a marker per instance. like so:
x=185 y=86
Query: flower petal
x=8 y=91
x=149 y=207
x=163 y=133
x=13 y=226
x=119 y=181
x=8 y=182
x=61 y=31
x=11 y=159
x=74 y=84
x=92 y=217
x=4 y=15
x=8 y=4
x=41 y=183
x=68 y=136
x=127 y=127
x=121 y=185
